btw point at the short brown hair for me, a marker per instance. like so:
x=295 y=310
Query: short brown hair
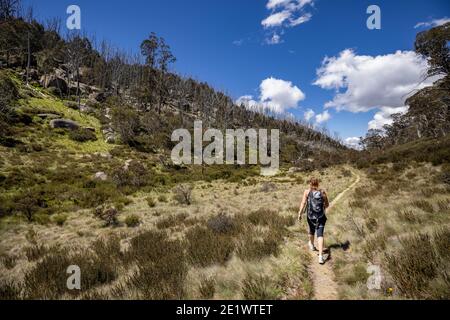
x=314 y=182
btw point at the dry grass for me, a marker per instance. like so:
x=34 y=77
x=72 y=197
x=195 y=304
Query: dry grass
x=221 y=236
x=397 y=221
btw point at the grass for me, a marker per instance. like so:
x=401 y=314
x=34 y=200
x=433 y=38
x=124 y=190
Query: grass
x=221 y=237
x=404 y=235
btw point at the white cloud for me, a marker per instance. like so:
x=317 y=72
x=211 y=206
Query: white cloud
x=276 y=19
x=353 y=142
x=364 y=83
x=286 y=13
x=323 y=117
x=383 y=117
x=302 y=19
x=276 y=39
x=276 y=95
x=309 y=114
x=432 y=23
x=280 y=94
x=247 y=101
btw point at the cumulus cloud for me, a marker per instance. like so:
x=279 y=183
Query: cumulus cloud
x=353 y=142
x=383 y=117
x=432 y=23
x=286 y=14
x=276 y=95
x=364 y=83
x=309 y=114
x=323 y=117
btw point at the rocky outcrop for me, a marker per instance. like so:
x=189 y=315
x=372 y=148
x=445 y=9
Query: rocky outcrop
x=64 y=124
x=54 y=81
x=101 y=176
x=110 y=136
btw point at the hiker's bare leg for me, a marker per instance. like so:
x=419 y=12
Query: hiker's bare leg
x=311 y=239
x=320 y=244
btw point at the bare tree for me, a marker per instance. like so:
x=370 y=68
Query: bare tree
x=9 y=9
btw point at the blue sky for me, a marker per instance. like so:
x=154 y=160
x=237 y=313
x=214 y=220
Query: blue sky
x=225 y=43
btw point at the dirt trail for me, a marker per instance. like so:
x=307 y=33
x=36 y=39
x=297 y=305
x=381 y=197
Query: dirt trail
x=325 y=287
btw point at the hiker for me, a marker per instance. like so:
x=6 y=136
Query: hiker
x=315 y=201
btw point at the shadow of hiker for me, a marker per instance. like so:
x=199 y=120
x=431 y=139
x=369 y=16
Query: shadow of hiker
x=344 y=246
x=327 y=251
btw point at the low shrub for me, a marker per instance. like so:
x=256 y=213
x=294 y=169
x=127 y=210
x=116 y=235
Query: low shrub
x=206 y=247
x=82 y=135
x=260 y=288
x=207 y=288
x=151 y=202
x=132 y=221
x=171 y=221
x=161 y=265
x=414 y=266
x=47 y=280
x=183 y=194
x=108 y=215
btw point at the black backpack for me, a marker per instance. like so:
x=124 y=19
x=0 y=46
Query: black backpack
x=316 y=205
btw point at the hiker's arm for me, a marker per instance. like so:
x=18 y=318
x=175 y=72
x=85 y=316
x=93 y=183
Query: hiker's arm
x=302 y=206
x=325 y=199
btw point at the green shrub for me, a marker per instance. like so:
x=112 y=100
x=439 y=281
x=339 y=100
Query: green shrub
x=82 y=135
x=254 y=246
x=151 y=202
x=414 y=266
x=161 y=265
x=206 y=247
x=265 y=217
x=41 y=218
x=132 y=221
x=162 y=198
x=171 y=221
x=47 y=280
x=222 y=224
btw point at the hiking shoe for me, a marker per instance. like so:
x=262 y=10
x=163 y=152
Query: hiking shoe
x=311 y=247
x=321 y=260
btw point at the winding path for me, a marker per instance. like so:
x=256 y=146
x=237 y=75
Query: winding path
x=325 y=287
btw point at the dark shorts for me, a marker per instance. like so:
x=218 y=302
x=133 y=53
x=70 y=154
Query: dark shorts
x=317 y=228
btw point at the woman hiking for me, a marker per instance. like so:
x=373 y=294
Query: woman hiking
x=315 y=201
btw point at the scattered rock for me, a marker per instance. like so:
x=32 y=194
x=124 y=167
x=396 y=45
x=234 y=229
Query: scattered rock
x=294 y=170
x=90 y=129
x=33 y=75
x=127 y=164
x=64 y=124
x=101 y=176
x=86 y=109
x=98 y=96
x=105 y=155
x=53 y=81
